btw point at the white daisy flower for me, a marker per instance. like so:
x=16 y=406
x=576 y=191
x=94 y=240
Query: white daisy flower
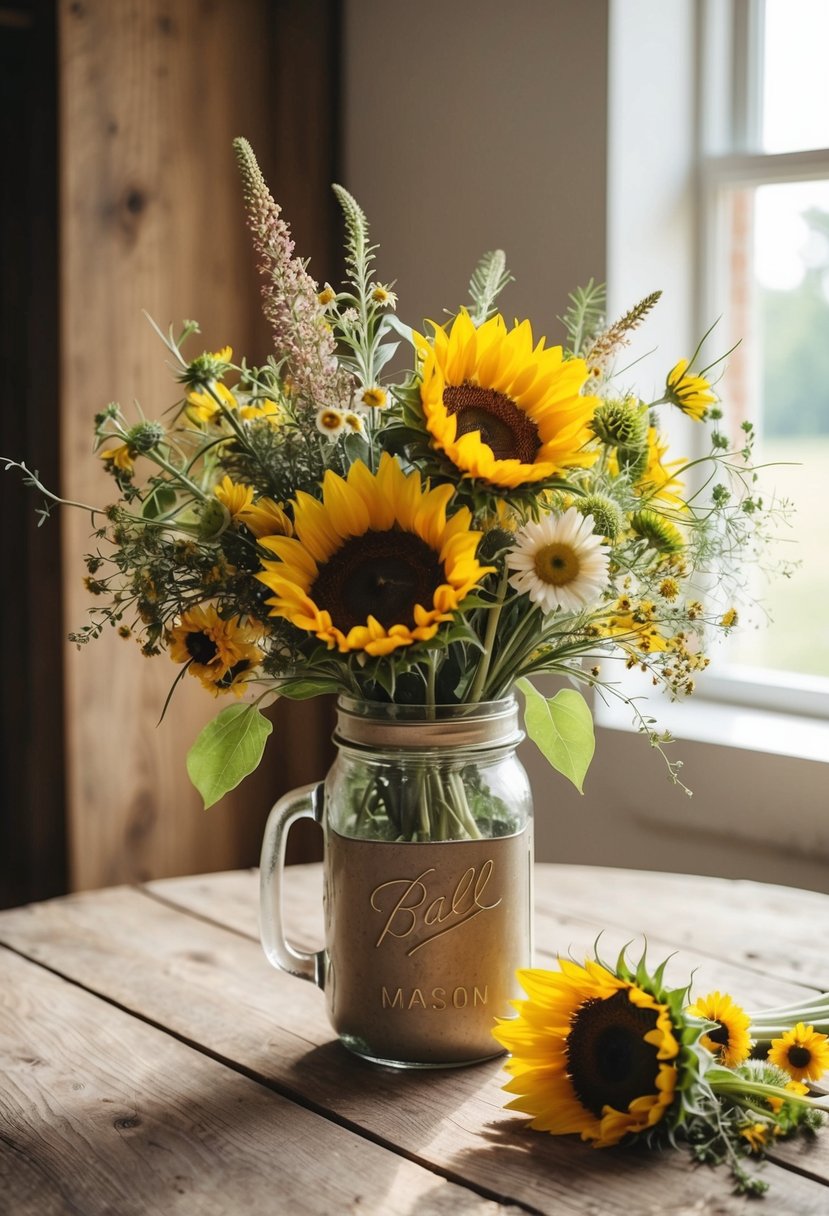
x=354 y=422
x=384 y=296
x=559 y=562
x=330 y=422
x=370 y=397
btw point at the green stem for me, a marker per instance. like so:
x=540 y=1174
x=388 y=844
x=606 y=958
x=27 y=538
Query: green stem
x=489 y=638
x=425 y=828
x=820 y=1004
x=35 y=481
x=156 y=457
x=465 y=816
x=515 y=644
x=431 y=677
x=763 y=1033
x=229 y=415
x=739 y=1087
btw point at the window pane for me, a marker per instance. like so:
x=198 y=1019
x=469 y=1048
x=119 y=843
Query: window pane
x=795 y=81
x=779 y=377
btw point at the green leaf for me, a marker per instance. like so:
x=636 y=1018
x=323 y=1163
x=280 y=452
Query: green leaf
x=562 y=729
x=303 y=690
x=228 y=748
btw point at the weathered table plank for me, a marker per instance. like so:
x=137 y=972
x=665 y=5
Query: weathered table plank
x=231 y=899
x=212 y=987
x=775 y=931
x=100 y=1112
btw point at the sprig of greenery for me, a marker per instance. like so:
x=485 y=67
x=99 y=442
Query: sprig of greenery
x=489 y=279
x=358 y=252
x=584 y=315
x=359 y=317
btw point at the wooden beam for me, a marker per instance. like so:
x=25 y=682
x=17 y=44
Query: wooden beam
x=151 y=95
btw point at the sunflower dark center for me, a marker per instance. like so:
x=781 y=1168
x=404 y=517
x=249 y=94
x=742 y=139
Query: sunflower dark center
x=379 y=574
x=502 y=425
x=201 y=648
x=720 y=1036
x=608 y=1060
x=232 y=672
x=799 y=1057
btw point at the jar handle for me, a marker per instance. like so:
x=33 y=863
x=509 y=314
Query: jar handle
x=304 y=803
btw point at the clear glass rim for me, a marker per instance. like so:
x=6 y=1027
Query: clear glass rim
x=380 y=725
x=392 y=711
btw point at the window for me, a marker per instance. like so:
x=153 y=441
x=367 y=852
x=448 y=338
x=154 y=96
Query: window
x=765 y=271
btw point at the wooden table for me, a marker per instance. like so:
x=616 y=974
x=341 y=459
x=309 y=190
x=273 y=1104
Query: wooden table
x=152 y=1062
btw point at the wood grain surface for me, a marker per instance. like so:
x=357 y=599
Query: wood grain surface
x=152 y=93
x=181 y=957
x=102 y=1113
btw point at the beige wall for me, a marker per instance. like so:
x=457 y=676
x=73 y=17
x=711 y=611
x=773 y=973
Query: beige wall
x=475 y=125
x=565 y=132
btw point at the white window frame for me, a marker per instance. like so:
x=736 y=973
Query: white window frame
x=730 y=45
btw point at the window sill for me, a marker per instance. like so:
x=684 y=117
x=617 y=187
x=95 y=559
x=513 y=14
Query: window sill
x=701 y=721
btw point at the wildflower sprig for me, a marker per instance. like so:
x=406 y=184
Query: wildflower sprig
x=489 y=279
x=501 y=508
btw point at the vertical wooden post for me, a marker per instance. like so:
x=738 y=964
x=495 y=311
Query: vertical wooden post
x=152 y=93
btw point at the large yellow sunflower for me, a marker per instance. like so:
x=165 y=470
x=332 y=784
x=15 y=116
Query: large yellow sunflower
x=592 y=1054
x=375 y=565
x=500 y=408
x=730 y=1041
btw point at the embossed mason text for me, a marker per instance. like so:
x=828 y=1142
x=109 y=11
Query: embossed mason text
x=435 y=998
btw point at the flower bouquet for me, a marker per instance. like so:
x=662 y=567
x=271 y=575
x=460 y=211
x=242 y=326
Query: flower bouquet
x=612 y=1054
x=495 y=510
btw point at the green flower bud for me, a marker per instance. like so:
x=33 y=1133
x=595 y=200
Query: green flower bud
x=214 y=520
x=206 y=368
x=659 y=532
x=607 y=515
x=621 y=423
x=145 y=436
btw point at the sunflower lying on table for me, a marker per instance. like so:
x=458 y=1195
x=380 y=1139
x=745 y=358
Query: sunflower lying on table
x=611 y=1054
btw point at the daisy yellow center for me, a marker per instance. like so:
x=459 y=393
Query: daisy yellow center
x=379 y=574
x=608 y=1060
x=503 y=427
x=201 y=648
x=557 y=564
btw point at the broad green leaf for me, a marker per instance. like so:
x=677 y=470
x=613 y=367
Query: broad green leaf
x=384 y=354
x=228 y=748
x=562 y=729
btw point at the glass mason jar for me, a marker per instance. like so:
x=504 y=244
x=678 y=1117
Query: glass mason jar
x=427 y=821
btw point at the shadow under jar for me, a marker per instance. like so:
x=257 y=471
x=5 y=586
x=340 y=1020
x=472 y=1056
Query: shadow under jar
x=427 y=821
